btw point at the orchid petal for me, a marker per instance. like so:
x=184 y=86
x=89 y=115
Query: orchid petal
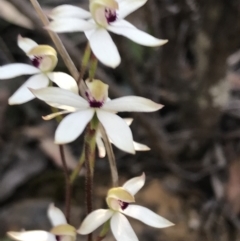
x=117 y=130
x=65 y=25
x=140 y=147
x=134 y=184
x=56 y=216
x=103 y=47
x=69 y=11
x=100 y=146
x=72 y=126
x=64 y=230
x=26 y=44
x=122 y=23
x=126 y=7
x=60 y=98
x=131 y=103
x=53 y=115
x=23 y=94
x=147 y=216
x=137 y=36
x=64 y=81
x=32 y=235
x=13 y=70
x=94 y=220
x=128 y=121
x=121 y=228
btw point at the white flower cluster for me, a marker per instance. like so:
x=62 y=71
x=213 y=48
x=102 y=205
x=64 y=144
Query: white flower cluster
x=104 y=16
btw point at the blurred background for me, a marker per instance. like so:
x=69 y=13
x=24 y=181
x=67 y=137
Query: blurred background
x=193 y=168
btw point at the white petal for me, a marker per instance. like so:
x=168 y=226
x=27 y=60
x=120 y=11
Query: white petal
x=72 y=126
x=26 y=44
x=140 y=147
x=94 y=220
x=122 y=229
x=147 y=216
x=32 y=235
x=13 y=70
x=64 y=81
x=53 y=115
x=135 y=184
x=117 y=130
x=56 y=216
x=122 y=23
x=100 y=146
x=70 y=25
x=131 y=103
x=137 y=36
x=60 y=98
x=23 y=94
x=69 y=11
x=126 y=7
x=128 y=121
x=103 y=47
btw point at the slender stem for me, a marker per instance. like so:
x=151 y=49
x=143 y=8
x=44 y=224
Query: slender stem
x=85 y=60
x=104 y=231
x=93 y=67
x=89 y=148
x=111 y=157
x=67 y=183
x=78 y=168
x=89 y=178
x=57 y=41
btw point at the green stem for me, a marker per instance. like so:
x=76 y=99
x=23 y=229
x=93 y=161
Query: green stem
x=93 y=67
x=78 y=168
x=104 y=231
x=89 y=148
x=85 y=60
x=67 y=183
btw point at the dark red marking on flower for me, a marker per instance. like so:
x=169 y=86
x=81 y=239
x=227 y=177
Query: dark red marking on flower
x=95 y=104
x=36 y=61
x=110 y=15
x=92 y=102
x=123 y=205
x=58 y=238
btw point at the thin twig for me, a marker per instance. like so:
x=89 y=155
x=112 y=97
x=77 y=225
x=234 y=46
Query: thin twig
x=78 y=167
x=57 y=41
x=89 y=178
x=67 y=183
x=111 y=157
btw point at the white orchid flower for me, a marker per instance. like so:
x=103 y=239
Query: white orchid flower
x=44 y=59
x=83 y=111
x=104 y=16
x=119 y=201
x=101 y=147
x=61 y=231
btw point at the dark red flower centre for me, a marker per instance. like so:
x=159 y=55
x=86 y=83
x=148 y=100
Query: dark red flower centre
x=58 y=238
x=92 y=102
x=123 y=205
x=36 y=61
x=110 y=15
